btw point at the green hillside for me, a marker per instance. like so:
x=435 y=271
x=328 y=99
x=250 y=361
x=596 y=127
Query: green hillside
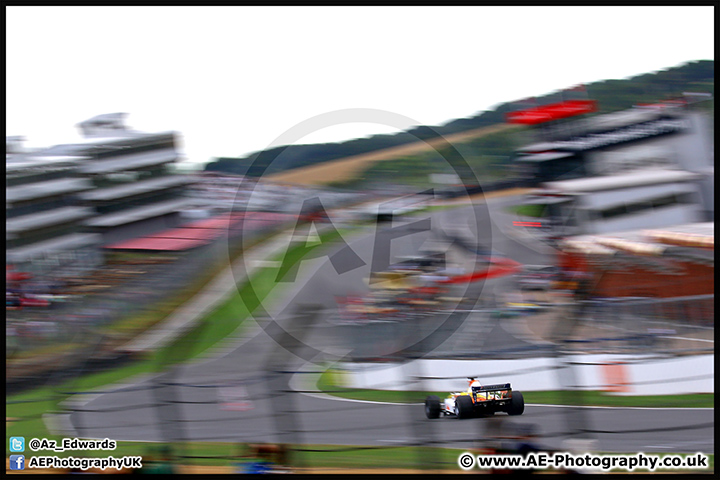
x=488 y=155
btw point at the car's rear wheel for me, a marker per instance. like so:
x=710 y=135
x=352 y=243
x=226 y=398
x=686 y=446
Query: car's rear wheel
x=517 y=404
x=464 y=407
x=432 y=407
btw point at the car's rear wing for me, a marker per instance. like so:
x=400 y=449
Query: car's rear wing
x=491 y=388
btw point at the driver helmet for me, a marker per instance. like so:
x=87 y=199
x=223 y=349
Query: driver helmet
x=473 y=383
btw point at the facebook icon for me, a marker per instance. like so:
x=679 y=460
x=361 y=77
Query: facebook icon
x=17 y=462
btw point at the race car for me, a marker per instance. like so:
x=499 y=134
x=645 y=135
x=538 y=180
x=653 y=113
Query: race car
x=477 y=400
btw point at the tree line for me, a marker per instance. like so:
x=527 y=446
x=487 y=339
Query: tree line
x=611 y=95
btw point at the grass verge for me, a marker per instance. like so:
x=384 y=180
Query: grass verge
x=537 y=211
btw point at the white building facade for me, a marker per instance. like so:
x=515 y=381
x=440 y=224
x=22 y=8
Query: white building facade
x=644 y=198
x=45 y=223
x=136 y=190
x=64 y=203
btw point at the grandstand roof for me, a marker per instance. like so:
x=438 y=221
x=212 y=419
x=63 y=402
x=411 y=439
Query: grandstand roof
x=161 y=244
x=695 y=242
x=200 y=232
x=626 y=180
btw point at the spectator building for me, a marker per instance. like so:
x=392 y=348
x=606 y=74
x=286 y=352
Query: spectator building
x=45 y=222
x=645 y=167
x=136 y=190
x=670 y=135
x=65 y=203
x=663 y=273
x=643 y=198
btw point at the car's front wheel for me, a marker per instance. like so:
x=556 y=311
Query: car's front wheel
x=432 y=407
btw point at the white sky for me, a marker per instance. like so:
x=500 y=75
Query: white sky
x=233 y=80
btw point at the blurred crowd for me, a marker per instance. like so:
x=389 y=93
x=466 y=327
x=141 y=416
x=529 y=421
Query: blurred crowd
x=408 y=288
x=44 y=310
x=223 y=193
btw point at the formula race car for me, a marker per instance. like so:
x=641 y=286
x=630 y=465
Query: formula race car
x=477 y=400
